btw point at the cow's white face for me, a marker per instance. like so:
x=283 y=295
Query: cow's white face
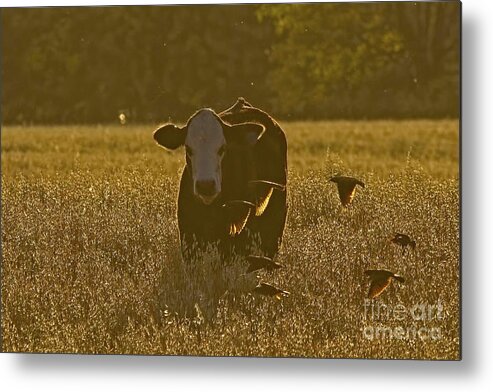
x=205 y=147
x=205 y=137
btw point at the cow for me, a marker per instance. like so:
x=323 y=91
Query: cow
x=233 y=186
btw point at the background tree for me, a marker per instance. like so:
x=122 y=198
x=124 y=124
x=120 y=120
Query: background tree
x=366 y=59
x=86 y=64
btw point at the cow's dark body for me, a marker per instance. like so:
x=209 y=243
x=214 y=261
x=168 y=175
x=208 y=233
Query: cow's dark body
x=201 y=225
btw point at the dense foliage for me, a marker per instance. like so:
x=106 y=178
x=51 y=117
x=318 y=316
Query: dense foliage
x=366 y=60
x=85 y=65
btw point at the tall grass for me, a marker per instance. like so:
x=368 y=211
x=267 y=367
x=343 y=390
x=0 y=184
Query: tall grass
x=91 y=260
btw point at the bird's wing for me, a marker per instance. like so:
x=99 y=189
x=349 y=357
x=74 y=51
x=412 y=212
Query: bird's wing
x=237 y=216
x=263 y=191
x=372 y=274
x=237 y=225
x=253 y=266
x=263 y=201
x=346 y=192
x=257 y=262
x=267 y=289
x=377 y=286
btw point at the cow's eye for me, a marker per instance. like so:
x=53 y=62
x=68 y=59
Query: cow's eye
x=188 y=151
x=221 y=151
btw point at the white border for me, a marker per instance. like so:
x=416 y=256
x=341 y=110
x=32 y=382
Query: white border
x=120 y=373
x=38 y=3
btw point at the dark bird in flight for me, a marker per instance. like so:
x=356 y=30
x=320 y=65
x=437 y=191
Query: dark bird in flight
x=263 y=191
x=237 y=214
x=270 y=291
x=380 y=280
x=347 y=188
x=404 y=241
x=261 y=262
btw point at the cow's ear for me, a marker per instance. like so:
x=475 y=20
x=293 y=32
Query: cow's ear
x=247 y=133
x=170 y=136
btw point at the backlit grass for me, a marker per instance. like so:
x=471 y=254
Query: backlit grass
x=91 y=260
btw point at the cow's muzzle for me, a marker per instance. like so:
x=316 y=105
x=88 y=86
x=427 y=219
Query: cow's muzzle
x=206 y=191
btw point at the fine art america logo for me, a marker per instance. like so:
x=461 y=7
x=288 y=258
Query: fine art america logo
x=387 y=322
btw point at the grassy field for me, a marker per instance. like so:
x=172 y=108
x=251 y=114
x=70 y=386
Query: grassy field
x=91 y=260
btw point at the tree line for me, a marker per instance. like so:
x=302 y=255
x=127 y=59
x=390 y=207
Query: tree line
x=298 y=61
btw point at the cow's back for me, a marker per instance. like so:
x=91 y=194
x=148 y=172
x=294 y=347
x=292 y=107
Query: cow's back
x=271 y=149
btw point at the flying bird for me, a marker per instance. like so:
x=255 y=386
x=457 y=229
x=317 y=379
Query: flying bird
x=347 y=188
x=404 y=241
x=263 y=191
x=380 y=280
x=237 y=214
x=261 y=262
x=270 y=291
